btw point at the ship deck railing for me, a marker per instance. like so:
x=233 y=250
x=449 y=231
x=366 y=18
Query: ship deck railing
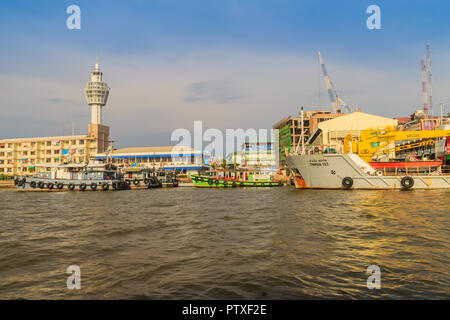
x=442 y=170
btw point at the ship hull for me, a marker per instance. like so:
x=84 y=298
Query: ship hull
x=346 y=171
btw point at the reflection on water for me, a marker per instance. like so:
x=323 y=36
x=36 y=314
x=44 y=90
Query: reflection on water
x=188 y=243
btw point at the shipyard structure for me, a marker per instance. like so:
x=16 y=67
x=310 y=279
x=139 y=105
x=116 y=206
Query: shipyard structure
x=26 y=156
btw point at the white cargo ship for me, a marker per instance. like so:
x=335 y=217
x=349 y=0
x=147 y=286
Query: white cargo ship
x=349 y=171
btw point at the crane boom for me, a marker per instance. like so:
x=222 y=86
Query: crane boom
x=334 y=98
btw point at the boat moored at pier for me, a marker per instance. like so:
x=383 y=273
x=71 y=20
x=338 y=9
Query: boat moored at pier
x=349 y=171
x=140 y=178
x=234 y=178
x=74 y=177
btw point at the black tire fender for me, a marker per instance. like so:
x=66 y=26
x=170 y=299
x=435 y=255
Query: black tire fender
x=407 y=182
x=347 y=182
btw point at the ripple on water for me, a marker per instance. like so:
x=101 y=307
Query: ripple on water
x=188 y=243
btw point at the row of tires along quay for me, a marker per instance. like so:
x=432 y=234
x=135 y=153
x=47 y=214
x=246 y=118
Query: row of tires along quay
x=23 y=183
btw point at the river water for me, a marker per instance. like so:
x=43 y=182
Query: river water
x=188 y=243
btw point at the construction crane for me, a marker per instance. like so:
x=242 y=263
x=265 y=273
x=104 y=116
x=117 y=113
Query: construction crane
x=376 y=141
x=336 y=102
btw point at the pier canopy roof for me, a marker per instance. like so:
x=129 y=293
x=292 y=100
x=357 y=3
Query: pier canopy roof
x=167 y=157
x=152 y=152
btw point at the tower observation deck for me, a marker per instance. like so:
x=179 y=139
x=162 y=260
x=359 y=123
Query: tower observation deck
x=96 y=92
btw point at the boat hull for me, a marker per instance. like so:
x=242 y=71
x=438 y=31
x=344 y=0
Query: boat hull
x=328 y=171
x=61 y=185
x=208 y=182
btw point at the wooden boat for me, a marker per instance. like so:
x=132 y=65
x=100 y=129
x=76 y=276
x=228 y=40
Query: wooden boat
x=233 y=179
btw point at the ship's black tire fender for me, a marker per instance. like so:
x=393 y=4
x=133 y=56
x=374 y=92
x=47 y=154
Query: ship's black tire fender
x=16 y=181
x=50 y=185
x=114 y=185
x=407 y=182
x=234 y=185
x=82 y=186
x=71 y=186
x=41 y=184
x=347 y=182
x=136 y=182
x=146 y=181
x=210 y=181
x=128 y=182
x=33 y=184
x=217 y=182
x=60 y=185
x=105 y=186
x=242 y=184
x=93 y=186
x=20 y=182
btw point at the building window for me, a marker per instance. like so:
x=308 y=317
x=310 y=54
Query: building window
x=55 y=151
x=49 y=143
x=48 y=152
x=48 y=160
x=25 y=153
x=81 y=141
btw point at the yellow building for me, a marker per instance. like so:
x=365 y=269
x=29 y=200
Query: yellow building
x=331 y=133
x=20 y=156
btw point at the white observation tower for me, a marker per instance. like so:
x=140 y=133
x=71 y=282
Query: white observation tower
x=96 y=92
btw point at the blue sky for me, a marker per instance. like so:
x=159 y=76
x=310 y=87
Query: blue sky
x=229 y=63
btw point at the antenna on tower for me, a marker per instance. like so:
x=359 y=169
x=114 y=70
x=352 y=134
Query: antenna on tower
x=424 y=86
x=430 y=83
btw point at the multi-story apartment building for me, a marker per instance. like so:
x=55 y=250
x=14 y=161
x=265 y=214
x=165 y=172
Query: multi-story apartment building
x=258 y=154
x=290 y=130
x=25 y=156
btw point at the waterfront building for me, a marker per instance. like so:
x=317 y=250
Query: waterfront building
x=330 y=134
x=258 y=155
x=21 y=155
x=290 y=130
x=185 y=159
